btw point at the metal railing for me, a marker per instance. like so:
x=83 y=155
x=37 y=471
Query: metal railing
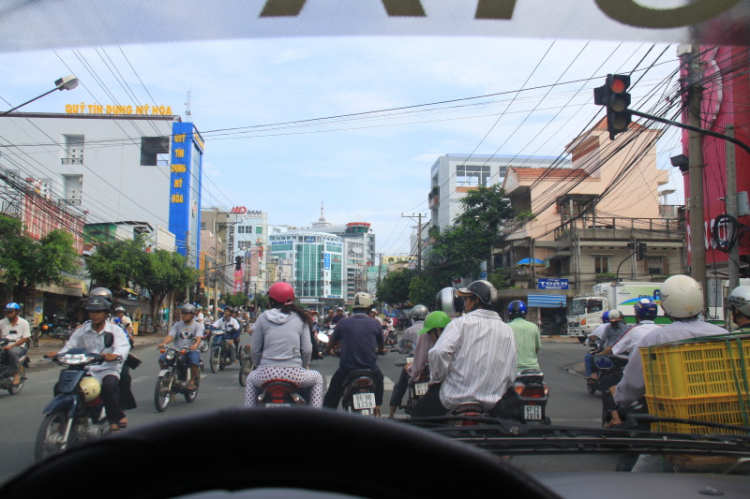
x=667 y=226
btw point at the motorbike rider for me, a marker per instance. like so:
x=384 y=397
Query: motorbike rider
x=608 y=336
x=339 y=315
x=16 y=329
x=418 y=314
x=528 y=337
x=199 y=317
x=91 y=337
x=361 y=340
x=233 y=330
x=281 y=347
x=473 y=360
x=186 y=333
x=739 y=304
x=125 y=322
x=645 y=311
x=328 y=319
x=682 y=301
x=428 y=334
x=448 y=301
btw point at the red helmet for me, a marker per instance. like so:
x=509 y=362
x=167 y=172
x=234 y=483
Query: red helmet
x=281 y=292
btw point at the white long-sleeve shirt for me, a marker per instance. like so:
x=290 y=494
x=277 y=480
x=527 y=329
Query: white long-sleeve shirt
x=474 y=359
x=632 y=386
x=93 y=342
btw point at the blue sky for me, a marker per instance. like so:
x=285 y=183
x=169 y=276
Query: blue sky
x=371 y=167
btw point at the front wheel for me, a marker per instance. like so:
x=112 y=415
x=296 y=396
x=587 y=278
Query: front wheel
x=50 y=439
x=163 y=392
x=591 y=387
x=215 y=360
x=204 y=346
x=14 y=389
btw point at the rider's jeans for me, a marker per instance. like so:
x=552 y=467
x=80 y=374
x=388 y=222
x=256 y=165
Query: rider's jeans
x=589 y=363
x=12 y=356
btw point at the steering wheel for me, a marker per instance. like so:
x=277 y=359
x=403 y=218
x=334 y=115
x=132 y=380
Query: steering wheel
x=294 y=448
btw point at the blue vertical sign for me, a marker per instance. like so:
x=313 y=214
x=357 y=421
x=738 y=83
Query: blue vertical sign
x=326 y=261
x=186 y=164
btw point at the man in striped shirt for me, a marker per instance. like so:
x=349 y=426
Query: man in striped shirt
x=474 y=359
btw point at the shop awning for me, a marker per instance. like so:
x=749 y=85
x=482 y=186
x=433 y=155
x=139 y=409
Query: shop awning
x=547 y=301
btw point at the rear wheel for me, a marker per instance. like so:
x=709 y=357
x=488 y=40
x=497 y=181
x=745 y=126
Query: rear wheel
x=246 y=366
x=14 y=389
x=163 y=392
x=215 y=360
x=191 y=394
x=49 y=438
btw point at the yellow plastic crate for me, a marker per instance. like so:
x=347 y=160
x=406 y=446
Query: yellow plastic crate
x=706 y=368
x=724 y=410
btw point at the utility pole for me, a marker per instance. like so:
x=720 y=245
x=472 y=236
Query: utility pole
x=380 y=267
x=187 y=264
x=731 y=204
x=419 y=241
x=695 y=169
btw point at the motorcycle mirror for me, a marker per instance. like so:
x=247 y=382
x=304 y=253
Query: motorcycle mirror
x=109 y=340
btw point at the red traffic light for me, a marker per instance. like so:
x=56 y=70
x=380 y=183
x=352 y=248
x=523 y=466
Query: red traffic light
x=618 y=83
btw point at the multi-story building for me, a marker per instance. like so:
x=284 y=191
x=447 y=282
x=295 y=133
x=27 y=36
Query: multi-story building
x=248 y=239
x=114 y=163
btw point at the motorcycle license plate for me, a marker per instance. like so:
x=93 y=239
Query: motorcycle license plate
x=277 y=405
x=420 y=389
x=409 y=360
x=532 y=412
x=364 y=401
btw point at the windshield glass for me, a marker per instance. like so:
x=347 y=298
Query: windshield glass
x=578 y=307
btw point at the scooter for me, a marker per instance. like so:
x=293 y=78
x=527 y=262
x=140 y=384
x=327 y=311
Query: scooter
x=174 y=379
x=6 y=382
x=533 y=394
x=417 y=390
x=221 y=352
x=359 y=393
x=76 y=414
x=280 y=393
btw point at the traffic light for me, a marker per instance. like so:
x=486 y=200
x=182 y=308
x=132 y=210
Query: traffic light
x=614 y=95
x=642 y=249
x=238 y=263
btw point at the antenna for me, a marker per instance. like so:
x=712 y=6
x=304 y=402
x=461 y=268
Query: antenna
x=188 y=114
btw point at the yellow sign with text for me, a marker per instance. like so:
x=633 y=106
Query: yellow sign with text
x=144 y=110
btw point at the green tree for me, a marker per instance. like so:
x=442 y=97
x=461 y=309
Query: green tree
x=235 y=300
x=394 y=288
x=27 y=263
x=116 y=264
x=163 y=272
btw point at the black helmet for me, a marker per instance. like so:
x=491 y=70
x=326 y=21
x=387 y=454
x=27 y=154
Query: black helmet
x=484 y=290
x=188 y=309
x=98 y=303
x=516 y=309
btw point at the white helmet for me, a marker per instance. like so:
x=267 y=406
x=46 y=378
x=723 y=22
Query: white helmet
x=90 y=387
x=682 y=297
x=739 y=298
x=419 y=312
x=362 y=300
x=615 y=315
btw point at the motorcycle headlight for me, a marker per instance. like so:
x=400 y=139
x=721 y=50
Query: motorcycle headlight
x=74 y=358
x=170 y=354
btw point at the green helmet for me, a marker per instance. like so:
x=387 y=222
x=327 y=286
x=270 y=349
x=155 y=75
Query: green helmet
x=435 y=319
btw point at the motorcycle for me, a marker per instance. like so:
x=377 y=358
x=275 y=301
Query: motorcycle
x=6 y=382
x=468 y=414
x=70 y=418
x=592 y=384
x=417 y=390
x=280 y=393
x=222 y=353
x=173 y=379
x=246 y=364
x=533 y=394
x=359 y=392
x=609 y=365
x=389 y=334
x=40 y=330
x=63 y=328
x=206 y=340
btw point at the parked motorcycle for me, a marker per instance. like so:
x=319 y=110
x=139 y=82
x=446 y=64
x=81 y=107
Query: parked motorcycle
x=222 y=353
x=6 y=382
x=76 y=414
x=40 y=330
x=174 y=379
x=280 y=393
x=359 y=392
x=63 y=328
x=533 y=394
x=246 y=364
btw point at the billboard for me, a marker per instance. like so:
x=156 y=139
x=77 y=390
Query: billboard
x=186 y=174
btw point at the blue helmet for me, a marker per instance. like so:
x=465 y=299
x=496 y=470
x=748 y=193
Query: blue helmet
x=605 y=316
x=12 y=306
x=645 y=308
x=516 y=308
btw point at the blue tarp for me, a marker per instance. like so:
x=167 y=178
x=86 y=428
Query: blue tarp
x=547 y=301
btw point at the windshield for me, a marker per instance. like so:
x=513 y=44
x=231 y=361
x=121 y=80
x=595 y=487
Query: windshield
x=288 y=159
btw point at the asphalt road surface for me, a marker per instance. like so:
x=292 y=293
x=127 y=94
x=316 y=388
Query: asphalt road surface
x=569 y=402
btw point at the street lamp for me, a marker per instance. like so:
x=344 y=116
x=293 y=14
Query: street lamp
x=65 y=83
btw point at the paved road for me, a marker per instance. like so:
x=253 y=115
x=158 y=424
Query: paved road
x=569 y=404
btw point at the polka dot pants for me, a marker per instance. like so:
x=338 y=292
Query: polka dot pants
x=301 y=377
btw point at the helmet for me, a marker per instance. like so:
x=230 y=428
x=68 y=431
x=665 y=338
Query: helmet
x=484 y=290
x=435 y=319
x=15 y=306
x=739 y=298
x=419 y=312
x=90 y=387
x=448 y=301
x=362 y=300
x=105 y=292
x=605 y=316
x=188 y=308
x=227 y=310
x=281 y=292
x=516 y=308
x=615 y=315
x=682 y=297
x=645 y=308
x=120 y=309
x=198 y=307
x=98 y=303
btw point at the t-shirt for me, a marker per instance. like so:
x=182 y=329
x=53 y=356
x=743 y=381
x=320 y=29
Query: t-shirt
x=527 y=343
x=360 y=336
x=185 y=334
x=14 y=333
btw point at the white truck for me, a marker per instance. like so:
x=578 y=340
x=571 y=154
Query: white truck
x=585 y=311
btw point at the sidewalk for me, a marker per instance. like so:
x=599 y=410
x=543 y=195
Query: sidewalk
x=50 y=345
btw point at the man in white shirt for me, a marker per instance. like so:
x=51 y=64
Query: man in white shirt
x=17 y=330
x=474 y=359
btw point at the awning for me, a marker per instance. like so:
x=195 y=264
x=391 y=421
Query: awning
x=547 y=301
x=529 y=261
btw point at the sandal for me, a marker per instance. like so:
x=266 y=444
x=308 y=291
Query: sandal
x=122 y=424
